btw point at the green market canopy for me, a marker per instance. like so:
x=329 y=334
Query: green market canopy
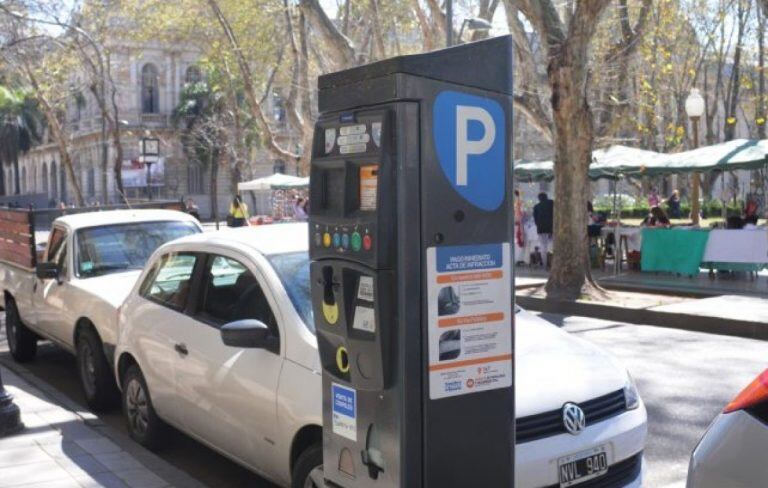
x=619 y=161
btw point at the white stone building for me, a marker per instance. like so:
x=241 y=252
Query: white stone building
x=149 y=80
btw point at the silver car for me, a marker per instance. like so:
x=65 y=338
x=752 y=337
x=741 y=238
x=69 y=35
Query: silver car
x=732 y=452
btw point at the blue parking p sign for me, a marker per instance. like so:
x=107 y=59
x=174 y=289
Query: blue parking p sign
x=469 y=135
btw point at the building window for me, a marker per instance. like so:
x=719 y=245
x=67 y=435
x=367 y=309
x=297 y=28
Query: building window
x=193 y=75
x=91 y=181
x=278 y=166
x=194 y=179
x=45 y=179
x=149 y=89
x=278 y=108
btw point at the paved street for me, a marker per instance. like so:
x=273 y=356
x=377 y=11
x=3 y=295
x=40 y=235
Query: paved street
x=685 y=378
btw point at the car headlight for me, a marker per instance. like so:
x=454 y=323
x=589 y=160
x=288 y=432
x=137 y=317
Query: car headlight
x=631 y=395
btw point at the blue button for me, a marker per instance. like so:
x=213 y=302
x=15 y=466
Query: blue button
x=336 y=239
x=345 y=241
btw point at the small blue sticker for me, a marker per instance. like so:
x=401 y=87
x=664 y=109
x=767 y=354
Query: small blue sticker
x=344 y=410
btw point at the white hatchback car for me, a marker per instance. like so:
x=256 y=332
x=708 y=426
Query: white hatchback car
x=217 y=339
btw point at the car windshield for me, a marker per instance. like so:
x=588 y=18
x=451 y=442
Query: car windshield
x=293 y=270
x=115 y=248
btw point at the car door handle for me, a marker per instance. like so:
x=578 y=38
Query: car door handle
x=181 y=349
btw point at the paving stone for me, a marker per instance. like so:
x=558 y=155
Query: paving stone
x=82 y=465
x=140 y=478
x=22 y=455
x=27 y=474
x=98 y=445
x=76 y=431
x=70 y=483
x=57 y=416
x=118 y=460
x=102 y=480
x=63 y=449
x=30 y=437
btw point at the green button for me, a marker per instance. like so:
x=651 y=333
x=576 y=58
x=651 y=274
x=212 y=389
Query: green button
x=357 y=241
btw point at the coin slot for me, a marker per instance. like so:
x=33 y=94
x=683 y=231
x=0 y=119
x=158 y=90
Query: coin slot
x=342 y=359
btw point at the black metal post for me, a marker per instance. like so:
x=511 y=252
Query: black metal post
x=149 y=179
x=10 y=416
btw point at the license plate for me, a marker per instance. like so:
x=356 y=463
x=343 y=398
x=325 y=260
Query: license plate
x=582 y=466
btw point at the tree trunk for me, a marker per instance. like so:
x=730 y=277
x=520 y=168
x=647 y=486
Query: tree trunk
x=260 y=120
x=58 y=136
x=214 y=162
x=573 y=153
x=760 y=107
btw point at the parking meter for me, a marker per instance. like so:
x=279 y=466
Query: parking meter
x=410 y=234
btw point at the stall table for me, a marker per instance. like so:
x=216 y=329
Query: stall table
x=737 y=250
x=676 y=250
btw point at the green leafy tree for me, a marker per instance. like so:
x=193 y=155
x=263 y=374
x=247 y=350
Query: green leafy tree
x=19 y=129
x=202 y=118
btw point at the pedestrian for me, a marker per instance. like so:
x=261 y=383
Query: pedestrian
x=674 y=205
x=192 y=208
x=751 y=207
x=653 y=198
x=300 y=209
x=544 y=216
x=519 y=213
x=238 y=212
x=657 y=218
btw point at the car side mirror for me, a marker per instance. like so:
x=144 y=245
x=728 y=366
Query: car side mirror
x=248 y=333
x=47 y=270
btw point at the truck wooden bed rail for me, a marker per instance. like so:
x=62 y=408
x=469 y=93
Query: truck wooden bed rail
x=18 y=227
x=17 y=238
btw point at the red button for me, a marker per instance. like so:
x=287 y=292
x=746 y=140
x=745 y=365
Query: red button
x=367 y=242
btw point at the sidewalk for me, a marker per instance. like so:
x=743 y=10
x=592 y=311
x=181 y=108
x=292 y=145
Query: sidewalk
x=60 y=447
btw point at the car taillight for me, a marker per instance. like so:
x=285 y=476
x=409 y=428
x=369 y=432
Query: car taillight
x=754 y=394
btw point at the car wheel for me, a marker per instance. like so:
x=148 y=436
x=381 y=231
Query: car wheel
x=308 y=470
x=21 y=341
x=144 y=425
x=95 y=375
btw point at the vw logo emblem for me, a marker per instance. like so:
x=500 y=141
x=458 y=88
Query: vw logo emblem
x=573 y=419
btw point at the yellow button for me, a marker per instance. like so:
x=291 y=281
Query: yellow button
x=327 y=240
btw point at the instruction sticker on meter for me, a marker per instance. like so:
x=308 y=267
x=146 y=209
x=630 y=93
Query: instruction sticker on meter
x=469 y=289
x=369 y=184
x=344 y=411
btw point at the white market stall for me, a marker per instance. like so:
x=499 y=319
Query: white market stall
x=278 y=189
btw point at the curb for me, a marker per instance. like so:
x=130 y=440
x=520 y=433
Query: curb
x=695 y=323
x=169 y=473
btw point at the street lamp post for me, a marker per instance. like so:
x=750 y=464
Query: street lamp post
x=149 y=178
x=150 y=151
x=449 y=23
x=10 y=416
x=694 y=107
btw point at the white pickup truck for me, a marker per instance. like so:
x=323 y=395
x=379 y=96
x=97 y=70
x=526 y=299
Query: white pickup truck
x=72 y=295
